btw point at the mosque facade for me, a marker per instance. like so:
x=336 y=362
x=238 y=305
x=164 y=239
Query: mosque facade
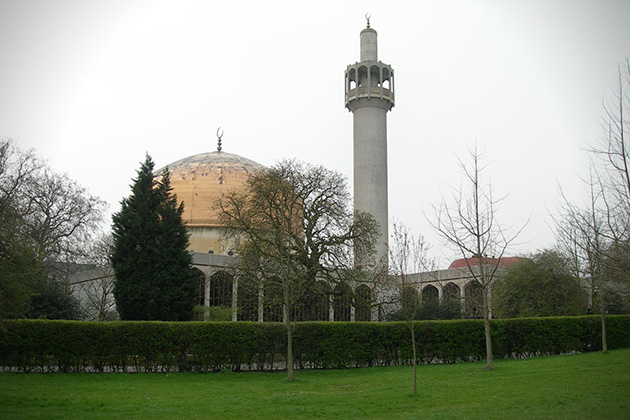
x=201 y=179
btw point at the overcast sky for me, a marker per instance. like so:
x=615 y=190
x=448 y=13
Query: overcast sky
x=93 y=85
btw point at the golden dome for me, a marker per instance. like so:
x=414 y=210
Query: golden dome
x=199 y=180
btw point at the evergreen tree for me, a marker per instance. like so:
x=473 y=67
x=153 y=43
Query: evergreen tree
x=153 y=275
x=52 y=301
x=177 y=281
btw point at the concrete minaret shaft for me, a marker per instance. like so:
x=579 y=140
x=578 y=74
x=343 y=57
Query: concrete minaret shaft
x=369 y=94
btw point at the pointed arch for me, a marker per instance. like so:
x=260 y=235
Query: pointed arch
x=248 y=300
x=342 y=302
x=221 y=284
x=473 y=299
x=452 y=293
x=430 y=294
x=363 y=303
x=272 y=301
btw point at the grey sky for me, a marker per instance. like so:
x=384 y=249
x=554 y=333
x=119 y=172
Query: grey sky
x=93 y=85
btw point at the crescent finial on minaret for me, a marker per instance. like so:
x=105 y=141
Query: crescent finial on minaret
x=367 y=17
x=219 y=135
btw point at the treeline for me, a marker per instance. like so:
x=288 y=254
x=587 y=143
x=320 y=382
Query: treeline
x=70 y=346
x=48 y=226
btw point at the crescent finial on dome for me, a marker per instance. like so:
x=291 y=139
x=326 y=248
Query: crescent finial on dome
x=219 y=135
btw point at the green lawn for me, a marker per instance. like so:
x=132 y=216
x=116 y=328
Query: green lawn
x=586 y=386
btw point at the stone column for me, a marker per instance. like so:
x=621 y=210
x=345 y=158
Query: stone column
x=235 y=299
x=206 y=297
x=261 y=303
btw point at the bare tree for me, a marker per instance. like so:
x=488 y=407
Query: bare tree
x=581 y=233
x=613 y=152
x=408 y=255
x=60 y=217
x=292 y=227
x=49 y=210
x=470 y=225
x=98 y=298
x=17 y=170
x=597 y=235
x=20 y=271
x=46 y=219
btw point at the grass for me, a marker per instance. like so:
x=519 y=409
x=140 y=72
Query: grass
x=585 y=386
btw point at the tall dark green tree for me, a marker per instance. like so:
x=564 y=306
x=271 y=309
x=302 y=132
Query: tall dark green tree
x=154 y=279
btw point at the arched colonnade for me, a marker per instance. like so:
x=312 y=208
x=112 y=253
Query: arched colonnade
x=218 y=288
x=452 y=285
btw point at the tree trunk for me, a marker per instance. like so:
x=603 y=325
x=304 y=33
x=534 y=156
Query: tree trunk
x=602 y=311
x=486 y=324
x=415 y=358
x=289 y=350
x=289 y=327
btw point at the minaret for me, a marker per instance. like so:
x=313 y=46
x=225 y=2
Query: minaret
x=369 y=95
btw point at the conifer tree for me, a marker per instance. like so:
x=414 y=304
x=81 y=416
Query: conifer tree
x=153 y=275
x=176 y=278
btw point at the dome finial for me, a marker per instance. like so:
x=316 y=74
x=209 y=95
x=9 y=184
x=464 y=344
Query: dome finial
x=367 y=17
x=219 y=135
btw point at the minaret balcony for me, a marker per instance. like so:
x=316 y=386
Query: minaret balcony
x=369 y=80
x=370 y=92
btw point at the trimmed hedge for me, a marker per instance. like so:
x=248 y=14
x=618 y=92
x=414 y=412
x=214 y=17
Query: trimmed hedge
x=71 y=346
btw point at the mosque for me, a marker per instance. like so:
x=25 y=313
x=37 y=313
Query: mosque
x=199 y=180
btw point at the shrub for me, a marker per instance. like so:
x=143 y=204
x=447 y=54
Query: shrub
x=144 y=346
